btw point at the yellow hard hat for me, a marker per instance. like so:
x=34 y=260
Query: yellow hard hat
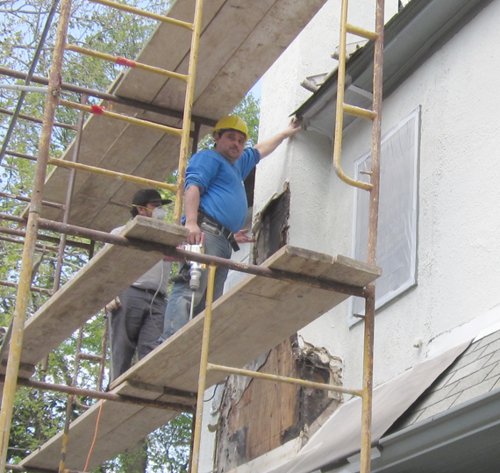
x=231 y=122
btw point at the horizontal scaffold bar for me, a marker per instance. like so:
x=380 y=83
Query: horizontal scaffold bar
x=126 y=62
x=32 y=288
x=100 y=110
x=21 y=220
x=364 y=33
x=181 y=254
x=110 y=97
x=359 y=112
x=36 y=120
x=153 y=16
x=27 y=199
x=283 y=379
x=39 y=246
x=109 y=396
x=108 y=172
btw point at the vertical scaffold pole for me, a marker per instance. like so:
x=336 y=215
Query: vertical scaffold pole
x=23 y=292
x=188 y=107
x=366 y=415
x=202 y=377
x=69 y=195
x=57 y=281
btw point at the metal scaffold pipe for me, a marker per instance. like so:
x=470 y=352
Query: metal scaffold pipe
x=112 y=98
x=207 y=324
x=28 y=78
x=153 y=16
x=69 y=197
x=108 y=396
x=23 y=292
x=188 y=108
x=100 y=110
x=30 y=118
x=369 y=328
x=125 y=62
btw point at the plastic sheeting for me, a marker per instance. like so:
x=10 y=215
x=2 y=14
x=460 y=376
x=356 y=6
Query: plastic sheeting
x=397 y=229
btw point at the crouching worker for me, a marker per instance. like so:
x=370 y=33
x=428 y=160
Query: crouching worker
x=136 y=315
x=215 y=207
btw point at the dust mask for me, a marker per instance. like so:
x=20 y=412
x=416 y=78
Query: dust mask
x=159 y=213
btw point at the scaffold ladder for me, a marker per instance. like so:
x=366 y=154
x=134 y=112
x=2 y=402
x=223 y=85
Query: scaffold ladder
x=365 y=393
x=373 y=187
x=43 y=160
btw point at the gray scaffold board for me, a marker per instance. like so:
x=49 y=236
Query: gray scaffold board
x=253 y=317
x=110 y=271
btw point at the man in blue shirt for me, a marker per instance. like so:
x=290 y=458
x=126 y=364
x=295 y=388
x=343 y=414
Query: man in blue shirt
x=215 y=207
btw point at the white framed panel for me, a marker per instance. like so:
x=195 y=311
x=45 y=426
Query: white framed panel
x=398 y=207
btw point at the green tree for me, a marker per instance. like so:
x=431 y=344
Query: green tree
x=248 y=109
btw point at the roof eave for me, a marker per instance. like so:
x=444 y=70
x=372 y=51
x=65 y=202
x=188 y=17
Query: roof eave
x=411 y=37
x=470 y=422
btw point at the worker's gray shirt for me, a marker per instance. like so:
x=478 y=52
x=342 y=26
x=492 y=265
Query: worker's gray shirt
x=154 y=279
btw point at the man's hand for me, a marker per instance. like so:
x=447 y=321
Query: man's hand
x=243 y=237
x=266 y=147
x=294 y=127
x=195 y=236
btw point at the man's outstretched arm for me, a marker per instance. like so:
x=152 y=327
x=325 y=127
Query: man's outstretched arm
x=266 y=147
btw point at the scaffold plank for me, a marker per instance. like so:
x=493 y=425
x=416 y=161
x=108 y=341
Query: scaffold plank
x=111 y=270
x=254 y=316
x=114 y=423
x=250 y=319
x=259 y=31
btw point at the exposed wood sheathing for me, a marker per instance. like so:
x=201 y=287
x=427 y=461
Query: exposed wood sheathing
x=271 y=226
x=288 y=409
x=253 y=317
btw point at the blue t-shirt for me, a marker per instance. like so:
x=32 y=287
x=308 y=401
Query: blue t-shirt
x=221 y=185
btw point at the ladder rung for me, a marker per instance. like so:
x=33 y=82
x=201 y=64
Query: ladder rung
x=108 y=172
x=359 y=112
x=282 y=379
x=137 y=11
x=125 y=62
x=361 y=32
x=100 y=110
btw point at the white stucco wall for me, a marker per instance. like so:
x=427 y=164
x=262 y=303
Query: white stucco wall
x=459 y=216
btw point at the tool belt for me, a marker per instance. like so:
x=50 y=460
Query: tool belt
x=209 y=224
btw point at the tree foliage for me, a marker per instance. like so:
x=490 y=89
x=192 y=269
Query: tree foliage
x=39 y=414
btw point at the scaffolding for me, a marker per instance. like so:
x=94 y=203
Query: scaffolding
x=328 y=281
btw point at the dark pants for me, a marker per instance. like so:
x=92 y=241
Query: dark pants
x=136 y=325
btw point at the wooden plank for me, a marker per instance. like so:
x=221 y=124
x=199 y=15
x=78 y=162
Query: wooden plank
x=250 y=319
x=240 y=40
x=109 y=272
x=263 y=44
x=253 y=317
x=119 y=426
